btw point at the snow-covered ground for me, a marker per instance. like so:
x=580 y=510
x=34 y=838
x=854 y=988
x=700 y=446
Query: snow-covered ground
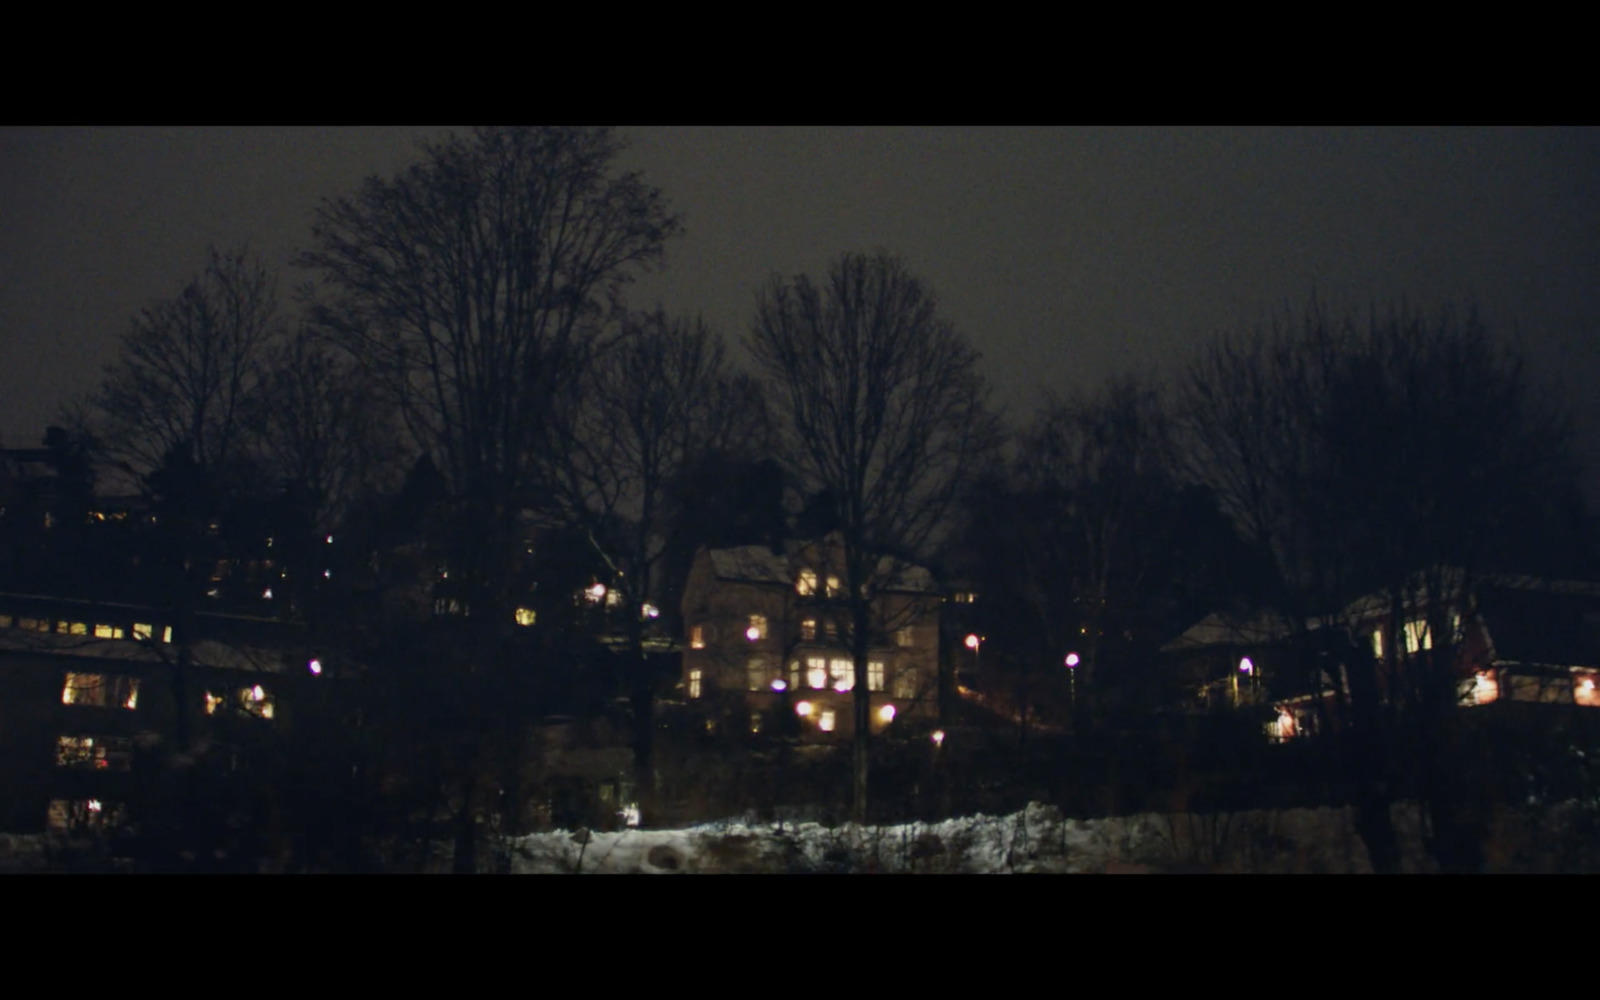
x=1037 y=839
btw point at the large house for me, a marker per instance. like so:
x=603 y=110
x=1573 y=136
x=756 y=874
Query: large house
x=767 y=637
x=1517 y=638
x=1514 y=639
x=87 y=699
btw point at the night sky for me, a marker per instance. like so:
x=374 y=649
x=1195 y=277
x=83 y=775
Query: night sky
x=1067 y=255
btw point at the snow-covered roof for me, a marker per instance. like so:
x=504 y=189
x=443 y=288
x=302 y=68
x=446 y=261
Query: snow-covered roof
x=759 y=564
x=751 y=564
x=1217 y=629
x=203 y=653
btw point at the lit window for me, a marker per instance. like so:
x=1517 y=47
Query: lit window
x=34 y=624
x=107 y=632
x=1417 y=637
x=75 y=815
x=843 y=674
x=254 y=700
x=166 y=634
x=816 y=672
x=794 y=675
x=697 y=637
x=1485 y=688
x=1585 y=690
x=694 y=683
x=903 y=637
x=99 y=753
x=1283 y=728
x=757 y=673
x=808 y=630
x=874 y=675
x=757 y=629
x=834 y=587
x=905 y=682
x=142 y=631
x=825 y=720
x=806 y=585
x=72 y=628
x=1377 y=643
x=526 y=616
x=100 y=691
x=614 y=599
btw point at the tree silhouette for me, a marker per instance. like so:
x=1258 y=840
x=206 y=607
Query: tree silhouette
x=883 y=408
x=189 y=366
x=476 y=289
x=1403 y=456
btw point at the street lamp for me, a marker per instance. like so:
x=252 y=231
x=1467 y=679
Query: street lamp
x=1072 y=662
x=973 y=642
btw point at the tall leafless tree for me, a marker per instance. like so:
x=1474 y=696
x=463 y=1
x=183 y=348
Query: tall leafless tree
x=323 y=427
x=1108 y=458
x=885 y=413
x=1402 y=455
x=660 y=400
x=477 y=288
x=188 y=367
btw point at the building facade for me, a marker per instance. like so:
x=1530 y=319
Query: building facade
x=768 y=637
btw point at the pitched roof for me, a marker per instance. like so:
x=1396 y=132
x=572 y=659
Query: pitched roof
x=759 y=564
x=751 y=564
x=1217 y=629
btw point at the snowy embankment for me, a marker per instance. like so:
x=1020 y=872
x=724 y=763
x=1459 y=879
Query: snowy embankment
x=1038 y=839
x=1035 y=840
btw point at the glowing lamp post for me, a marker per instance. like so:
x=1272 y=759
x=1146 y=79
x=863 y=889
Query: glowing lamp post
x=1246 y=669
x=1072 y=662
x=974 y=642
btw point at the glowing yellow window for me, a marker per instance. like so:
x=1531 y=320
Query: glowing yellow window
x=843 y=674
x=806 y=585
x=697 y=637
x=526 y=616
x=694 y=683
x=100 y=691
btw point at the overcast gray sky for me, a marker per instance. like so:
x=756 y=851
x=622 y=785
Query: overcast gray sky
x=1065 y=254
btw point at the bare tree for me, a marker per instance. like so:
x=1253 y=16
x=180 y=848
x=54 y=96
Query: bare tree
x=477 y=288
x=656 y=403
x=885 y=414
x=1108 y=457
x=1403 y=456
x=188 y=366
x=323 y=426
